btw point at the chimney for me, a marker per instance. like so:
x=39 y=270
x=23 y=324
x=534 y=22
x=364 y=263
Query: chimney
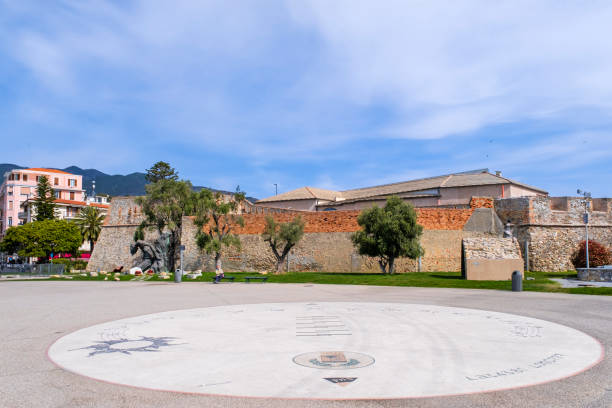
x=498 y=173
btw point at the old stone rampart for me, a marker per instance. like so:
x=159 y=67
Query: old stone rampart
x=551 y=228
x=491 y=258
x=326 y=245
x=346 y=221
x=330 y=251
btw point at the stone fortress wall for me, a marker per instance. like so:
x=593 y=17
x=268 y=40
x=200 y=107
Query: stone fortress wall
x=113 y=246
x=551 y=228
x=326 y=245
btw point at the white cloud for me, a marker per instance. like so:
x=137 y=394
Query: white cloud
x=444 y=65
x=303 y=81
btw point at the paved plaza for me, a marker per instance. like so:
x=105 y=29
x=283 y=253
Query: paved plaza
x=105 y=344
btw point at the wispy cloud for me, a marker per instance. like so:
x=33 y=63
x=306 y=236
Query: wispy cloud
x=343 y=93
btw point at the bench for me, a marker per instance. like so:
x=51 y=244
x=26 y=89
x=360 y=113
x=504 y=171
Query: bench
x=261 y=278
x=230 y=278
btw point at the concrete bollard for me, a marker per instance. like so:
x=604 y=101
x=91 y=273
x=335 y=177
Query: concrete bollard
x=517 y=281
x=178 y=275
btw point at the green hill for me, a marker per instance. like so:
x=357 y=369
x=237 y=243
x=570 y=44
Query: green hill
x=113 y=185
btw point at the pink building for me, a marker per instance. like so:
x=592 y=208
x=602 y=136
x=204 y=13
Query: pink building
x=19 y=187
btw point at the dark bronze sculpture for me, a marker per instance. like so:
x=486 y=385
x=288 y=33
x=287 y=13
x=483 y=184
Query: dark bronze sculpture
x=154 y=254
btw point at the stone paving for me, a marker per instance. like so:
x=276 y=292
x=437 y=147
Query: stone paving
x=384 y=333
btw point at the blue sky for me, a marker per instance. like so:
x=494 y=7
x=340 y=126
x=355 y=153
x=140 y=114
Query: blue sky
x=337 y=95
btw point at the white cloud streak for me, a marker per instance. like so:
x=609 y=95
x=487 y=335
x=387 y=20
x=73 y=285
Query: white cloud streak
x=296 y=80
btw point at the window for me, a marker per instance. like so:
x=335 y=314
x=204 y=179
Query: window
x=57 y=194
x=10 y=221
x=72 y=182
x=17 y=176
x=10 y=192
x=56 y=181
x=25 y=177
x=72 y=195
x=10 y=205
x=11 y=177
x=37 y=178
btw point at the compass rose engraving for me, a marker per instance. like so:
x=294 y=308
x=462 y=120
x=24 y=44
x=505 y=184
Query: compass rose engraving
x=128 y=346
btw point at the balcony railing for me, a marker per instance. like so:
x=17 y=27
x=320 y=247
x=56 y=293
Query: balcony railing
x=22 y=215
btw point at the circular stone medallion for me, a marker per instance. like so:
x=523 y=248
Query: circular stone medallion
x=333 y=360
x=327 y=350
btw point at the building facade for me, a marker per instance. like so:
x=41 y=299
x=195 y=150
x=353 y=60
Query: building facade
x=447 y=191
x=18 y=190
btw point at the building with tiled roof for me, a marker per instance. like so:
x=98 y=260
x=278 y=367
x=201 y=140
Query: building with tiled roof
x=450 y=190
x=18 y=189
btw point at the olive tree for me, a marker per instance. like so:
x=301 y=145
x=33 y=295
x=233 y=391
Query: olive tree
x=388 y=233
x=282 y=237
x=215 y=216
x=163 y=207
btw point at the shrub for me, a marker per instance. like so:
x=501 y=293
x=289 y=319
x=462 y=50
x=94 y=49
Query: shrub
x=598 y=255
x=71 y=264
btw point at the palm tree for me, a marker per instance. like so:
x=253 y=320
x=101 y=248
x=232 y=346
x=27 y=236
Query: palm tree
x=90 y=221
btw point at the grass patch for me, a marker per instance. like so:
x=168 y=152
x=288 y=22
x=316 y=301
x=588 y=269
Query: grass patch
x=541 y=280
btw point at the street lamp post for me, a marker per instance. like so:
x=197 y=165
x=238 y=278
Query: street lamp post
x=587 y=204
x=275 y=189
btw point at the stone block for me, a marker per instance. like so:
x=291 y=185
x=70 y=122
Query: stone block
x=492 y=269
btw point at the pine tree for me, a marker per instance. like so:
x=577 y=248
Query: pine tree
x=161 y=171
x=44 y=201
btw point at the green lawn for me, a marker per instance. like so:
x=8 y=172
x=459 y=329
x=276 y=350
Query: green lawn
x=541 y=282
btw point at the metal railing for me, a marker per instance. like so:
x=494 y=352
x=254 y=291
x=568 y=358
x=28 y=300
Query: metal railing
x=32 y=269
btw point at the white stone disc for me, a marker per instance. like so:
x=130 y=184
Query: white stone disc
x=328 y=350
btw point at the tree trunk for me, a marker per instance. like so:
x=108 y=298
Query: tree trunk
x=283 y=258
x=391 y=265
x=175 y=236
x=217 y=261
x=279 y=258
x=383 y=266
x=91 y=246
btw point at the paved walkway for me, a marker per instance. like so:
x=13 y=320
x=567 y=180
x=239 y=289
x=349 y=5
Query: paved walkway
x=575 y=283
x=37 y=314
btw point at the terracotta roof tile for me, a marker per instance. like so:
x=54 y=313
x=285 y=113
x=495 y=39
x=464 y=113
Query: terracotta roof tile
x=49 y=170
x=304 y=193
x=480 y=178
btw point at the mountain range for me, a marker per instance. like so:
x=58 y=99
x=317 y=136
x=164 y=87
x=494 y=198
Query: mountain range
x=114 y=185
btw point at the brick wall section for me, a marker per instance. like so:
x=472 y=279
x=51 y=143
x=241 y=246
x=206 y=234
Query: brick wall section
x=346 y=221
x=326 y=251
x=481 y=202
x=326 y=245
